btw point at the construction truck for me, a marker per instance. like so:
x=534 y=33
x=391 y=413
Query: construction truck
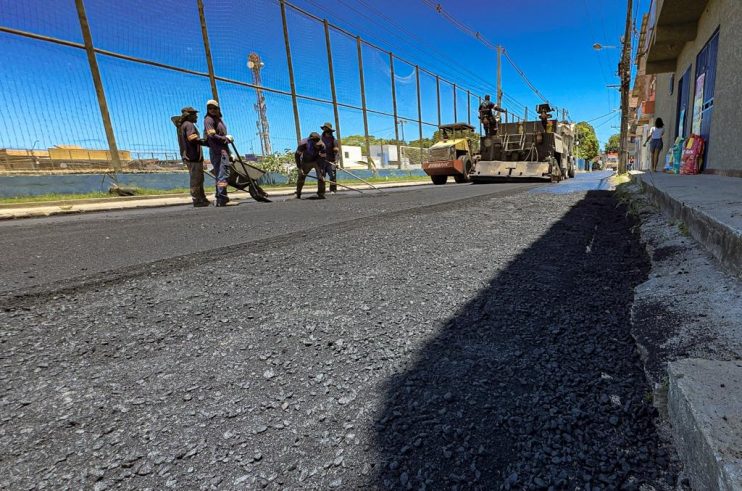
x=540 y=150
x=453 y=155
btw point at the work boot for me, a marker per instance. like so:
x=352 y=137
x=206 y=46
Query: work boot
x=201 y=204
x=320 y=196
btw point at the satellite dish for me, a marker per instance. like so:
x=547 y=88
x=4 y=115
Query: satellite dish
x=250 y=64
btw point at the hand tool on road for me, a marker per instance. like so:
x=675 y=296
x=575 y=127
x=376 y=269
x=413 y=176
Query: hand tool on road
x=337 y=167
x=334 y=182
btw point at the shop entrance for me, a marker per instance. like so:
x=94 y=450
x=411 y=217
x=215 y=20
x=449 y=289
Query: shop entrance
x=703 y=101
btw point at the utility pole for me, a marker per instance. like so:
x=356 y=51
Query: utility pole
x=499 y=81
x=625 y=72
x=255 y=64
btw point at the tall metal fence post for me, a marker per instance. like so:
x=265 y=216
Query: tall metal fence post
x=468 y=107
x=455 y=112
x=419 y=112
x=394 y=107
x=207 y=49
x=98 y=83
x=438 y=96
x=334 y=93
x=297 y=123
x=370 y=162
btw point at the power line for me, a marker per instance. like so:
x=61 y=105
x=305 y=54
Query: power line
x=601 y=117
x=405 y=40
x=525 y=79
x=478 y=36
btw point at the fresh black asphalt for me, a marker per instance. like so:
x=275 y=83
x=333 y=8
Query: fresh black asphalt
x=464 y=337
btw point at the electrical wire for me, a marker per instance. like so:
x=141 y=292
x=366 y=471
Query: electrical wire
x=601 y=117
x=478 y=36
x=525 y=79
x=404 y=39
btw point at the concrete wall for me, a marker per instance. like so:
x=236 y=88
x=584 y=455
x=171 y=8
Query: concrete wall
x=726 y=150
x=725 y=147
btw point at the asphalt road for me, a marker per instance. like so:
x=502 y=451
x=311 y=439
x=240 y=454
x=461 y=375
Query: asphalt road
x=52 y=252
x=465 y=337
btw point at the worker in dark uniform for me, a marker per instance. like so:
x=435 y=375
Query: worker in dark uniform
x=331 y=154
x=192 y=155
x=218 y=141
x=487 y=116
x=310 y=154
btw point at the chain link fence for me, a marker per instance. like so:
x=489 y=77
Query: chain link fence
x=90 y=85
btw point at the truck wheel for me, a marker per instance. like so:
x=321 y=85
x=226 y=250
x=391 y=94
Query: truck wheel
x=438 y=180
x=467 y=170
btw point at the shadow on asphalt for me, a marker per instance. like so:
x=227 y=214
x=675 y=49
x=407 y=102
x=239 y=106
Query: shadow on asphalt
x=535 y=382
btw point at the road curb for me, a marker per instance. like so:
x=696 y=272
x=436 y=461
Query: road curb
x=710 y=415
x=724 y=242
x=677 y=316
x=45 y=209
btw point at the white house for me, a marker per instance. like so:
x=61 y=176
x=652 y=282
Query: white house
x=352 y=156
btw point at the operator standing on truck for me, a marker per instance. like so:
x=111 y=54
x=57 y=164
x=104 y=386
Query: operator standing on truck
x=487 y=116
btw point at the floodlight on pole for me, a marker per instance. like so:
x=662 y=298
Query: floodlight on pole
x=255 y=64
x=598 y=46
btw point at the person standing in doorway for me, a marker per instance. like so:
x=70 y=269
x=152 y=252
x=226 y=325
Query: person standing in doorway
x=655 y=142
x=218 y=141
x=192 y=155
x=331 y=151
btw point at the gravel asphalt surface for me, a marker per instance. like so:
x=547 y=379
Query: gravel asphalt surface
x=40 y=251
x=481 y=343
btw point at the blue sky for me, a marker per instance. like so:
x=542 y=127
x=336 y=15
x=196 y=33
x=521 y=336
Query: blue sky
x=47 y=96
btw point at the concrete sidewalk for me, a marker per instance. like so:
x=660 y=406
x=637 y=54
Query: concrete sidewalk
x=44 y=209
x=687 y=318
x=709 y=205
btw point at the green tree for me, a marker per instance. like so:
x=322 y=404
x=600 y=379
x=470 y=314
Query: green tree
x=588 y=145
x=425 y=143
x=614 y=144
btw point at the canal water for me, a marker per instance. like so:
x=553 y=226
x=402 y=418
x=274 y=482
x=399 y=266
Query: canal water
x=14 y=186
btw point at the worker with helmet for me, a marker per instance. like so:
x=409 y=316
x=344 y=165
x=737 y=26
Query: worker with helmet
x=487 y=110
x=218 y=141
x=310 y=154
x=331 y=153
x=193 y=157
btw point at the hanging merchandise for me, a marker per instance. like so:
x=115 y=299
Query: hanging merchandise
x=692 y=155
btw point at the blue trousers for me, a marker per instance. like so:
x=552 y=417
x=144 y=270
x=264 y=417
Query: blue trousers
x=220 y=161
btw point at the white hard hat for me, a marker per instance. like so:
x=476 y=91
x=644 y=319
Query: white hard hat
x=212 y=102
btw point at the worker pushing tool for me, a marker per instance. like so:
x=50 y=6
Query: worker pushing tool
x=218 y=141
x=310 y=155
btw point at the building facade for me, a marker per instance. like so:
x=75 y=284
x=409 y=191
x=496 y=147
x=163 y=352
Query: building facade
x=694 y=48
x=641 y=105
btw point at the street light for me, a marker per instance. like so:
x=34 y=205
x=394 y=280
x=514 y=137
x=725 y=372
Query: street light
x=598 y=46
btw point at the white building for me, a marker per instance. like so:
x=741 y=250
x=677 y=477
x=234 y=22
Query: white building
x=352 y=156
x=385 y=155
